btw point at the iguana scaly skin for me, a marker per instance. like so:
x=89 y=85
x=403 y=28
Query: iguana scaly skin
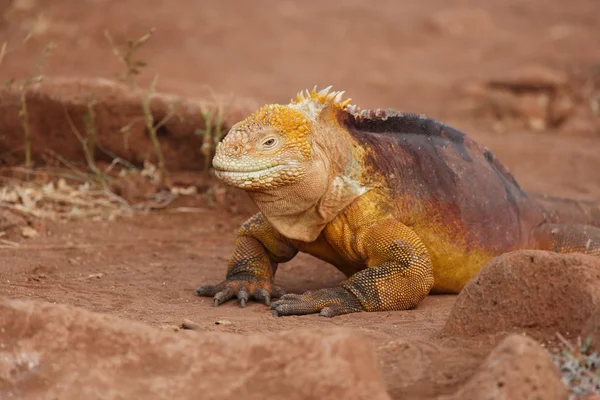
x=400 y=203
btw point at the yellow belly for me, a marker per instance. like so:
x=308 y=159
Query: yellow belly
x=454 y=263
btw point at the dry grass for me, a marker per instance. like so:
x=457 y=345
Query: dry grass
x=57 y=199
x=3 y=50
x=212 y=133
x=154 y=126
x=133 y=66
x=73 y=190
x=67 y=193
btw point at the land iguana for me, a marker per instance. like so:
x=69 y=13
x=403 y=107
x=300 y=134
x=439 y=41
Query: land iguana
x=402 y=204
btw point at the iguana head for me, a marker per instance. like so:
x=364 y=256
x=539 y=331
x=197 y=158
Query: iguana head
x=275 y=146
x=296 y=162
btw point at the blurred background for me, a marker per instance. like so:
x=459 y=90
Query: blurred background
x=407 y=54
x=493 y=68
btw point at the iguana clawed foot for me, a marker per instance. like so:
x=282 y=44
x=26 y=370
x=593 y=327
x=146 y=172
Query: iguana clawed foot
x=243 y=289
x=327 y=302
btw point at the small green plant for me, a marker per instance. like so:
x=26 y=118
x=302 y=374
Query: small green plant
x=91 y=131
x=35 y=78
x=154 y=126
x=211 y=134
x=133 y=66
x=88 y=142
x=126 y=132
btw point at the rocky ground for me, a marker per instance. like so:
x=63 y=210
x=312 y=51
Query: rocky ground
x=98 y=290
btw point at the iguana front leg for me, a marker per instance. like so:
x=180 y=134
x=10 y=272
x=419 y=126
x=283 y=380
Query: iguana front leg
x=251 y=270
x=398 y=276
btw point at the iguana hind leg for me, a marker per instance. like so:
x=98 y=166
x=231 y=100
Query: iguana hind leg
x=567 y=238
x=398 y=276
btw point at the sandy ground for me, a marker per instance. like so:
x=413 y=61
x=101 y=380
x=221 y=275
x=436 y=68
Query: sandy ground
x=411 y=55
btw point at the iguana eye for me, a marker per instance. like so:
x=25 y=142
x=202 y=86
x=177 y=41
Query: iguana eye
x=269 y=142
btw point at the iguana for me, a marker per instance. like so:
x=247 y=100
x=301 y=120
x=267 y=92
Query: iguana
x=402 y=204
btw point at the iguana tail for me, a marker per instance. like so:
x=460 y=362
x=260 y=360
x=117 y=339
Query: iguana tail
x=567 y=211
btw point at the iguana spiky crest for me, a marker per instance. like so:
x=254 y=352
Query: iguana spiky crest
x=314 y=101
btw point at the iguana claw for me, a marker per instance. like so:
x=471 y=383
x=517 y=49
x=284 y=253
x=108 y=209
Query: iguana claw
x=242 y=289
x=327 y=302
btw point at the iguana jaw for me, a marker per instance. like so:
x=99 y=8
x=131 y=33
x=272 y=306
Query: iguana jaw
x=249 y=177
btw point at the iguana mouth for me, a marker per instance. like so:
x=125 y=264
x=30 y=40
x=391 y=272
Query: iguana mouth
x=239 y=173
x=270 y=177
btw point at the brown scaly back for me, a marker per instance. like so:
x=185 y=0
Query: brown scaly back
x=414 y=131
x=401 y=123
x=375 y=121
x=407 y=125
x=436 y=166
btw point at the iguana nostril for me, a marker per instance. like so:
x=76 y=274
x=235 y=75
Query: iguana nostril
x=234 y=150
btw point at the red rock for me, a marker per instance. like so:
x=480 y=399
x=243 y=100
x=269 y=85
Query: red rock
x=61 y=352
x=535 y=291
x=423 y=369
x=518 y=368
x=531 y=77
x=119 y=121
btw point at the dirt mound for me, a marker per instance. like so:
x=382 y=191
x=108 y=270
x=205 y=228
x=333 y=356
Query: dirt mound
x=63 y=112
x=538 y=98
x=68 y=353
x=518 y=368
x=534 y=291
